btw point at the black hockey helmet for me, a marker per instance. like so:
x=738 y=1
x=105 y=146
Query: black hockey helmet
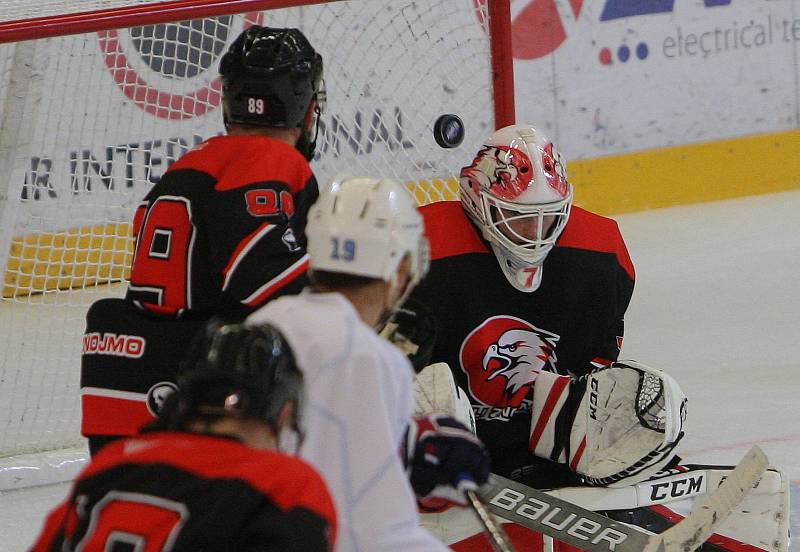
x=238 y=370
x=269 y=78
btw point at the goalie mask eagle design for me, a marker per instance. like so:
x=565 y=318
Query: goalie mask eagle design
x=502 y=357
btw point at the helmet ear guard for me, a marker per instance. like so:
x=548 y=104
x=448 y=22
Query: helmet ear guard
x=273 y=78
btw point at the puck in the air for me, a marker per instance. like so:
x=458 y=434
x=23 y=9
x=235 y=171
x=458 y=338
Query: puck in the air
x=448 y=131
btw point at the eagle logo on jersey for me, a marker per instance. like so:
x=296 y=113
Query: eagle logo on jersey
x=502 y=357
x=506 y=171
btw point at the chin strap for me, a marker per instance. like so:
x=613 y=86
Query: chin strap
x=305 y=144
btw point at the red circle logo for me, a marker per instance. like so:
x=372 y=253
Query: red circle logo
x=501 y=358
x=538 y=29
x=148 y=97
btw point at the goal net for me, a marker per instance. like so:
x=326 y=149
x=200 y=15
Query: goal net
x=99 y=97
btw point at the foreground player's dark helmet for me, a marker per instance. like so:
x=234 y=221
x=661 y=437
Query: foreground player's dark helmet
x=241 y=371
x=271 y=77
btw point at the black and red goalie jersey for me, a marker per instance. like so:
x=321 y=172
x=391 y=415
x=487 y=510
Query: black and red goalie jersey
x=223 y=230
x=495 y=337
x=221 y=233
x=186 y=492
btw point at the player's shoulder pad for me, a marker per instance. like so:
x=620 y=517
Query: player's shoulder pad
x=449 y=231
x=593 y=232
x=236 y=161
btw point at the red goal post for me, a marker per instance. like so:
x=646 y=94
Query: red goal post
x=99 y=97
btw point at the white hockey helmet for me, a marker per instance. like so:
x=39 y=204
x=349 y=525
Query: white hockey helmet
x=365 y=227
x=516 y=191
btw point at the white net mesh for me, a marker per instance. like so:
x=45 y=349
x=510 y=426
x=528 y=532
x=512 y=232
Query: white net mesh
x=650 y=402
x=13 y=10
x=90 y=121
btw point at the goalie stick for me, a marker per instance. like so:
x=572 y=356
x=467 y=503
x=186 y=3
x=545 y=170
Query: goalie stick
x=587 y=530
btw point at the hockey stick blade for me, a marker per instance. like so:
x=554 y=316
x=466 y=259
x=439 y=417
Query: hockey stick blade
x=587 y=530
x=712 y=510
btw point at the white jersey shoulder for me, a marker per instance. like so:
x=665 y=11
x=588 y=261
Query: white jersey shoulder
x=360 y=397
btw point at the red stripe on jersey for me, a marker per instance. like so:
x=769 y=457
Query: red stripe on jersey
x=242 y=250
x=138 y=218
x=104 y=415
x=236 y=161
x=287 y=480
x=549 y=405
x=287 y=276
x=578 y=455
x=726 y=543
x=449 y=231
x=593 y=232
x=52 y=527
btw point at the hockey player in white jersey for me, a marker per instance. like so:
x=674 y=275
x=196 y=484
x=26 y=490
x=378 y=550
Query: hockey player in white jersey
x=367 y=251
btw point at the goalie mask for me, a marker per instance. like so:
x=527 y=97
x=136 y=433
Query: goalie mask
x=273 y=78
x=240 y=371
x=365 y=227
x=516 y=191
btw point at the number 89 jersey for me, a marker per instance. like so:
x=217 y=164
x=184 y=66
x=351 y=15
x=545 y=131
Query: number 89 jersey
x=223 y=231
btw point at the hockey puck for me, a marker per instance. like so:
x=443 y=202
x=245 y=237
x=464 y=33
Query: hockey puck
x=448 y=131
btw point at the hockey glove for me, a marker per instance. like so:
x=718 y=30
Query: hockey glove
x=443 y=459
x=616 y=426
x=413 y=329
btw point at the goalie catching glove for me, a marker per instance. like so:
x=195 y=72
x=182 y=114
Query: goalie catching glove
x=443 y=458
x=615 y=426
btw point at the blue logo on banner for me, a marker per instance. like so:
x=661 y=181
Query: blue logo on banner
x=616 y=9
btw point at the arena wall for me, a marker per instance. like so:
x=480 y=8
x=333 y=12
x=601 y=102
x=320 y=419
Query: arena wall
x=663 y=102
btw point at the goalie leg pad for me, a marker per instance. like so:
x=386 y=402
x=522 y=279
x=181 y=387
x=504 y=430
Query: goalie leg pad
x=761 y=521
x=436 y=392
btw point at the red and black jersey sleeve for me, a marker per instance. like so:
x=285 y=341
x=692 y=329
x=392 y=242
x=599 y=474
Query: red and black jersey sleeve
x=129 y=363
x=185 y=492
x=223 y=231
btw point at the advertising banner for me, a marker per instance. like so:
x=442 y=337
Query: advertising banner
x=614 y=76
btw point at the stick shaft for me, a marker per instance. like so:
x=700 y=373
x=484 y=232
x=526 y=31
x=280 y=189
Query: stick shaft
x=497 y=536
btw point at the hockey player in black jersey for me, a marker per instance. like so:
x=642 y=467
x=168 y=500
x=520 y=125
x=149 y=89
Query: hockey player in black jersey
x=221 y=233
x=521 y=281
x=209 y=474
x=530 y=293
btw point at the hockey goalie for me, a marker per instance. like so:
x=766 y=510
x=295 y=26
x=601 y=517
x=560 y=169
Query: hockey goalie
x=528 y=294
